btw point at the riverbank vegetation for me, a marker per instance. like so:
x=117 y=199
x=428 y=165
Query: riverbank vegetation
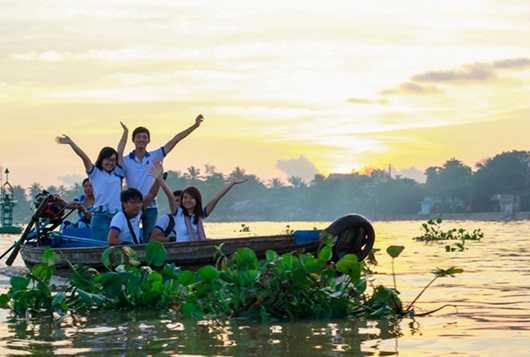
x=292 y=286
x=496 y=183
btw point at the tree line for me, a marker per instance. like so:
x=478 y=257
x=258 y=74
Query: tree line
x=453 y=187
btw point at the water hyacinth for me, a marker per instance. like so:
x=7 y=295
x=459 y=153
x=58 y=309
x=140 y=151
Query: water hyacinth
x=295 y=285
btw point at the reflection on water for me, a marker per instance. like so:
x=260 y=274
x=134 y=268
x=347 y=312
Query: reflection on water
x=162 y=334
x=492 y=314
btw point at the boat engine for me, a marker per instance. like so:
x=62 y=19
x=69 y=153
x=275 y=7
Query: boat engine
x=53 y=208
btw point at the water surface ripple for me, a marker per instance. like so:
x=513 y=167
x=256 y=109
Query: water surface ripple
x=488 y=312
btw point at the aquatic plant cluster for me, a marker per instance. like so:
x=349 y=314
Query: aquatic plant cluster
x=433 y=232
x=295 y=285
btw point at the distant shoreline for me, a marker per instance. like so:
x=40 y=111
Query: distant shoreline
x=486 y=216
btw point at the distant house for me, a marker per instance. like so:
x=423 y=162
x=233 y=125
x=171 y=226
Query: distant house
x=506 y=203
x=428 y=204
x=432 y=204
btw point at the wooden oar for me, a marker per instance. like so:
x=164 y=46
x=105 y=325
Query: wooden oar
x=22 y=239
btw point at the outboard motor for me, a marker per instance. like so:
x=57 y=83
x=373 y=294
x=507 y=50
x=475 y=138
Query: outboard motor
x=53 y=209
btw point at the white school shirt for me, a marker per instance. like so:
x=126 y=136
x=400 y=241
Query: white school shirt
x=137 y=174
x=180 y=225
x=163 y=222
x=119 y=222
x=107 y=189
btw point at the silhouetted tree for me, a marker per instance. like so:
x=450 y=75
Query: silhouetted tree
x=506 y=173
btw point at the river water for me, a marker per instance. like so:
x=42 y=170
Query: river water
x=490 y=316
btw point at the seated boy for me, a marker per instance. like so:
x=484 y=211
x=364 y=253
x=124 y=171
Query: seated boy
x=125 y=225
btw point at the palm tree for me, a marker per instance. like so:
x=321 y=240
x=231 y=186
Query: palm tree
x=297 y=182
x=34 y=190
x=318 y=179
x=237 y=172
x=276 y=183
x=193 y=174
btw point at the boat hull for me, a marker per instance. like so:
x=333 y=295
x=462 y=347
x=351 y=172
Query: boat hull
x=353 y=234
x=186 y=255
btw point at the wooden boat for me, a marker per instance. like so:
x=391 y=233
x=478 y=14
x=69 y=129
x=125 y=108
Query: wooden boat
x=354 y=234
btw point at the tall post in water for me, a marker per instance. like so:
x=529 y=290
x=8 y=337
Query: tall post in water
x=7 y=203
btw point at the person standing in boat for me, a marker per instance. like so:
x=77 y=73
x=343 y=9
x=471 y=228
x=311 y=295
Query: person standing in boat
x=125 y=225
x=136 y=164
x=106 y=178
x=190 y=214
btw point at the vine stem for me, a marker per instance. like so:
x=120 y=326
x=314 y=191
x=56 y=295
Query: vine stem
x=394 y=275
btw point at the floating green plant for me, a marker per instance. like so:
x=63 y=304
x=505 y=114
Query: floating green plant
x=433 y=232
x=291 y=286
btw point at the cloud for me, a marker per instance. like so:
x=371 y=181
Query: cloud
x=366 y=101
x=411 y=172
x=298 y=167
x=412 y=88
x=512 y=63
x=476 y=72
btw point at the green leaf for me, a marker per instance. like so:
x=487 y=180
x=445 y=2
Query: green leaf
x=43 y=272
x=90 y=299
x=189 y=309
x=48 y=257
x=133 y=282
x=58 y=299
x=155 y=254
x=246 y=258
x=325 y=254
x=4 y=301
x=170 y=271
x=187 y=277
x=112 y=284
x=247 y=277
x=152 y=297
x=311 y=264
x=111 y=257
x=271 y=255
x=300 y=280
x=208 y=273
x=448 y=272
x=19 y=282
x=395 y=250
x=350 y=265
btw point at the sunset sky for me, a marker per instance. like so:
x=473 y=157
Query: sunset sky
x=287 y=88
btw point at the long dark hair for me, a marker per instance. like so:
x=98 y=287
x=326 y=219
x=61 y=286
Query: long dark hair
x=105 y=153
x=196 y=194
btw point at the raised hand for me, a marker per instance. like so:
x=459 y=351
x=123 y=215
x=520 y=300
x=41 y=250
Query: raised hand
x=157 y=169
x=199 y=119
x=237 y=180
x=65 y=139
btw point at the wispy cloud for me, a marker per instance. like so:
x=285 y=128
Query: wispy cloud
x=512 y=63
x=366 y=101
x=472 y=73
x=411 y=88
